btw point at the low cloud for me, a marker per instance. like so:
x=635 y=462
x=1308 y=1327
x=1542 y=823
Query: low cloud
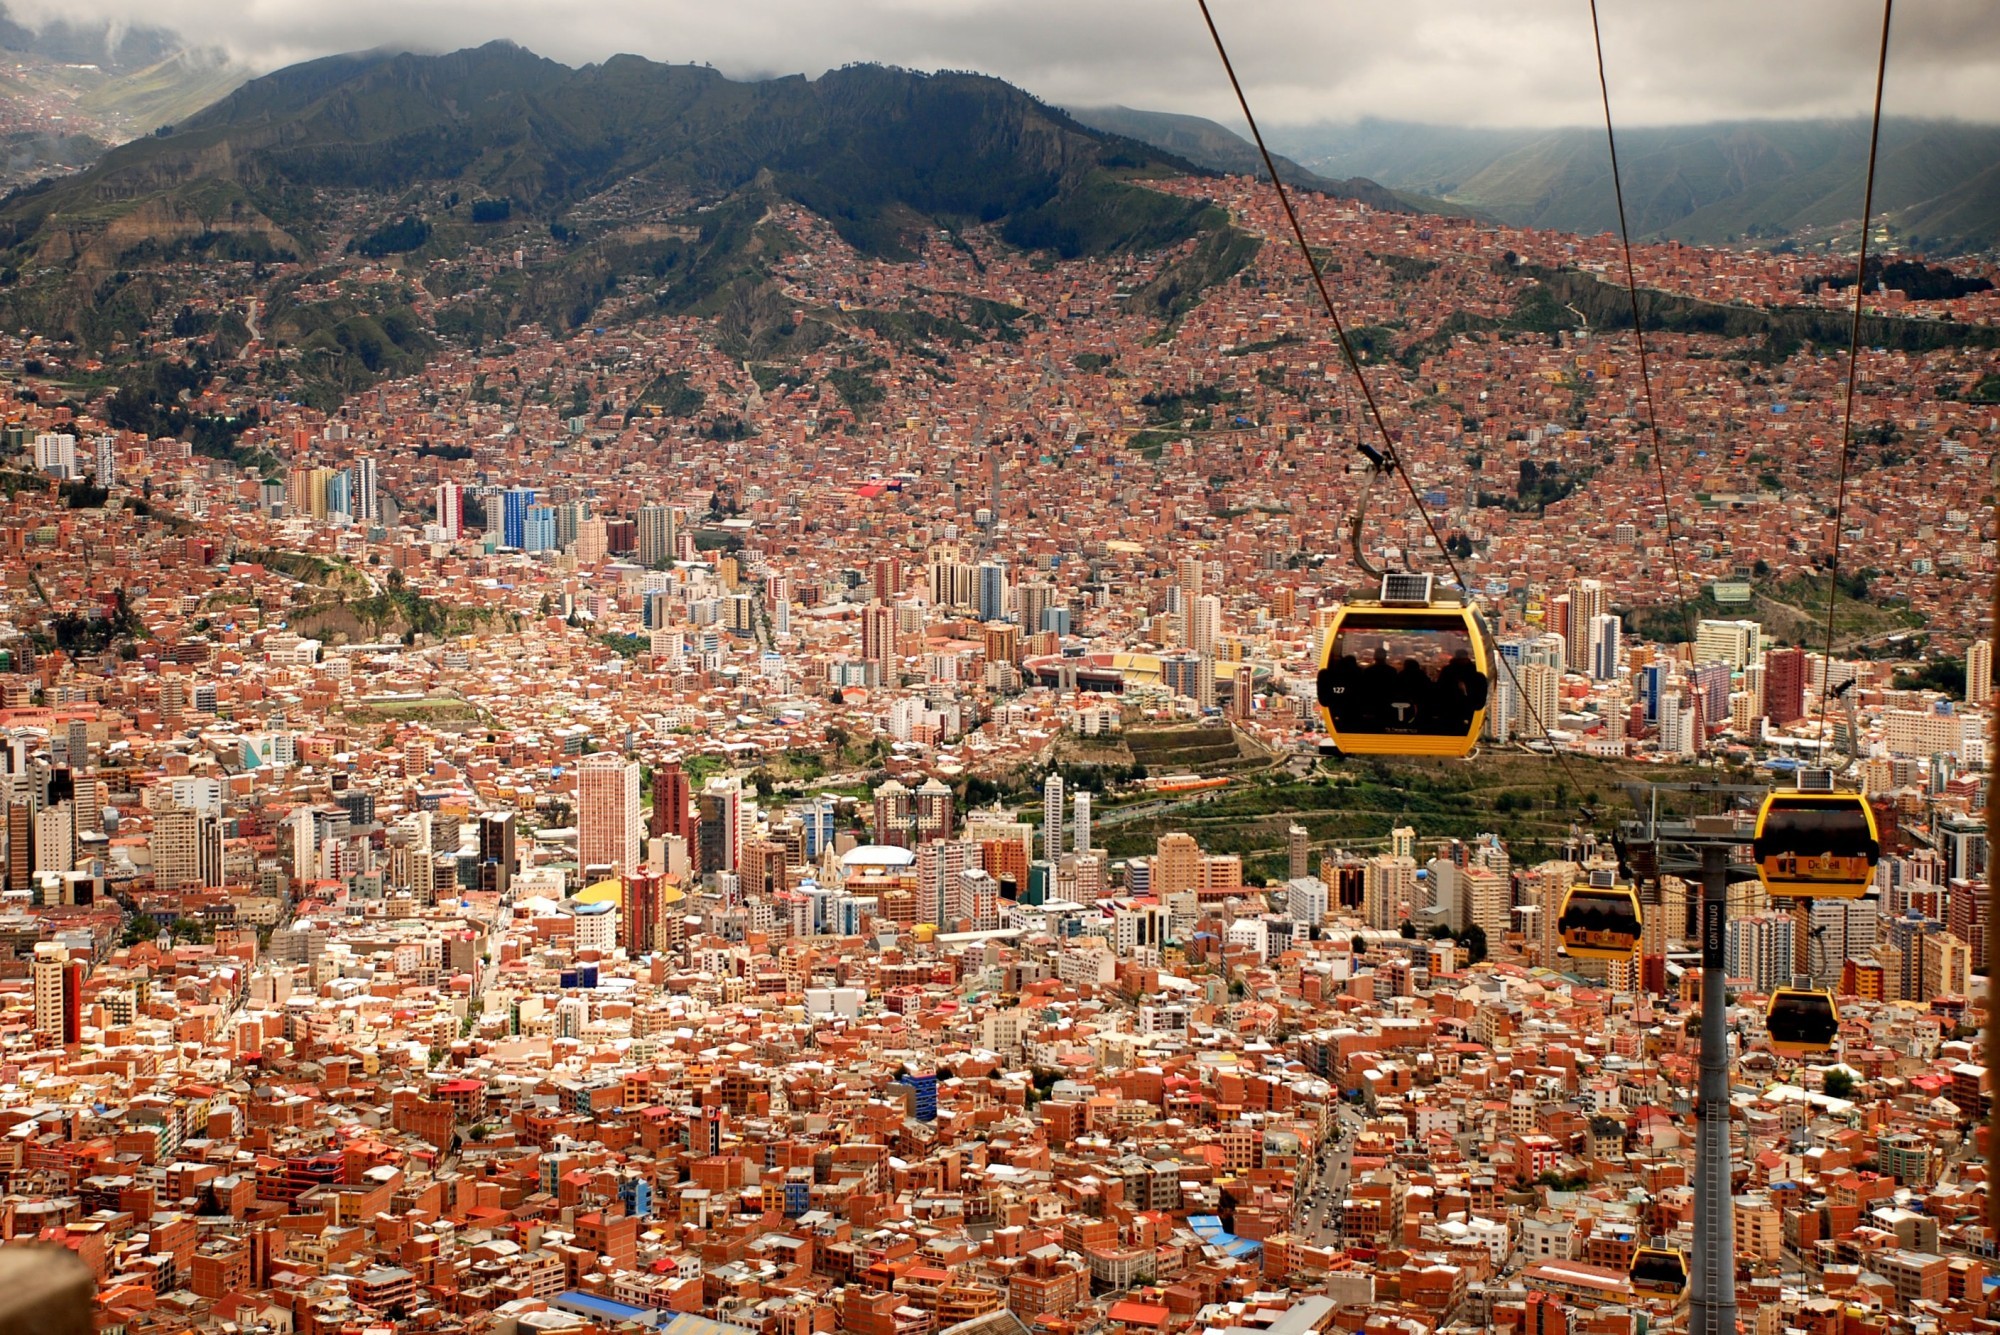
x=1465 y=62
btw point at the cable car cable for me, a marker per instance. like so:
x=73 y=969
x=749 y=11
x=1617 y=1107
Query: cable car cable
x=1639 y=334
x=1853 y=364
x=1391 y=457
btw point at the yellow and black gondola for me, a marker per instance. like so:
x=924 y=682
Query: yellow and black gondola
x=1802 y=1022
x=1816 y=845
x=1405 y=679
x=1659 y=1270
x=1600 y=922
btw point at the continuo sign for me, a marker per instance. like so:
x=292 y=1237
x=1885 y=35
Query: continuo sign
x=1712 y=934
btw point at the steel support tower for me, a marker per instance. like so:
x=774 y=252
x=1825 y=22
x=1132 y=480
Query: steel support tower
x=1701 y=848
x=1712 y=1287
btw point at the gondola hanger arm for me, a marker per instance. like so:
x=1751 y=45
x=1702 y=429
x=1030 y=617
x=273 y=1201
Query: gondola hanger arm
x=1380 y=465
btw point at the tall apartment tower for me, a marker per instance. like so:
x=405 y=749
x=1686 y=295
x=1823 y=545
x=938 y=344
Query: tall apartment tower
x=656 y=536
x=895 y=814
x=1205 y=625
x=992 y=599
x=515 y=503
x=672 y=799
x=364 y=490
x=1083 y=834
x=1556 y=620
x=878 y=641
x=721 y=808
x=1389 y=883
x=1978 y=672
x=936 y=817
x=1785 y=685
x=607 y=813
x=187 y=849
x=496 y=851
x=1587 y=602
x=1606 y=648
x=1187 y=574
x=451 y=509
x=58 y=984
x=1052 y=817
x=1187 y=587
x=1298 y=853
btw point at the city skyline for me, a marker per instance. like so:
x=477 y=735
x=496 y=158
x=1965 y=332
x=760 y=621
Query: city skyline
x=807 y=806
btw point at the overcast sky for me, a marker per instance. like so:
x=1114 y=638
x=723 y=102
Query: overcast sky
x=1466 y=62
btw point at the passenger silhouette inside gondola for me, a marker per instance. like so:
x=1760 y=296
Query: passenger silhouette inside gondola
x=1378 y=688
x=1462 y=687
x=1337 y=686
x=1410 y=705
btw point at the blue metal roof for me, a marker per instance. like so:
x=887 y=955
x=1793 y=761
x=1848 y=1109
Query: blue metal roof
x=590 y=1302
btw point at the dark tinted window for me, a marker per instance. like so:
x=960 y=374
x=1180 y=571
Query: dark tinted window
x=1839 y=829
x=1805 y=1018
x=1410 y=675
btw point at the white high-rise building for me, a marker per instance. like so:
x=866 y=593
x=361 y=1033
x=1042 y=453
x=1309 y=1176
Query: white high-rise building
x=451 y=510
x=1680 y=725
x=364 y=494
x=595 y=927
x=1541 y=703
x=1607 y=646
x=1306 y=900
x=1052 y=817
x=1731 y=642
x=657 y=536
x=55 y=454
x=1083 y=822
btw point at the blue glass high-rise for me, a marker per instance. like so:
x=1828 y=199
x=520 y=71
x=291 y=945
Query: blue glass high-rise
x=514 y=515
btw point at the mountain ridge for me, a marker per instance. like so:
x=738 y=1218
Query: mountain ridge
x=501 y=119
x=1727 y=182
x=1209 y=144
x=637 y=170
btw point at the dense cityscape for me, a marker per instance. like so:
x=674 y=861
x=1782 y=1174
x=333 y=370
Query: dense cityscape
x=605 y=833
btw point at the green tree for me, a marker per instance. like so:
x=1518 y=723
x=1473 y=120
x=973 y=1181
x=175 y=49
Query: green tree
x=1838 y=1083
